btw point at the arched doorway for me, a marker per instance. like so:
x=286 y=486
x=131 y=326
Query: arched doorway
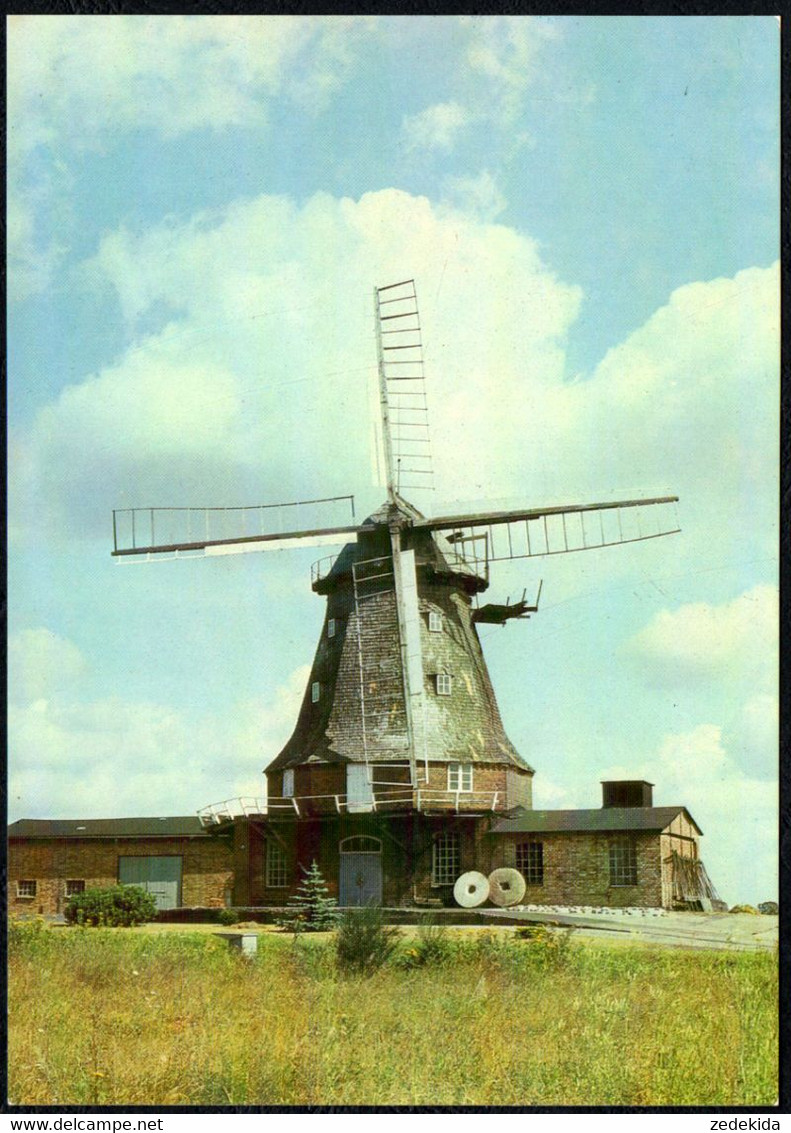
x=361 y=870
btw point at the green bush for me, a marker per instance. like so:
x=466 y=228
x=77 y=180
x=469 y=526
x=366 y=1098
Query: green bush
x=121 y=905
x=364 y=942
x=431 y=948
x=744 y=909
x=227 y=917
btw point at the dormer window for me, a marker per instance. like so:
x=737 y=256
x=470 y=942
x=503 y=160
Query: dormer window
x=315 y=692
x=434 y=621
x=444 y=684
x=288 y=783
x=331 y=627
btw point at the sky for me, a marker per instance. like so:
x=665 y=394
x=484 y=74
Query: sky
x=199 y=208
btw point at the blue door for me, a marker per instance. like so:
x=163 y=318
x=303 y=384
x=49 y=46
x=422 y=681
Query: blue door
x=361 y=879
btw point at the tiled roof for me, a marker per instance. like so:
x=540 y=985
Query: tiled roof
x=604 y=819
x=181 y=827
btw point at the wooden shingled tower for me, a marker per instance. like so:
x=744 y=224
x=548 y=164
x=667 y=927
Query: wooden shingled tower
x=399 y=746
x=403 y=718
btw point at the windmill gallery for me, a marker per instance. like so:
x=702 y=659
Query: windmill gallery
x=399 y=779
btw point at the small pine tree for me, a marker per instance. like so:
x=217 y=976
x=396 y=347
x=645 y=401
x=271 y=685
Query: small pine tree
x=311 y=909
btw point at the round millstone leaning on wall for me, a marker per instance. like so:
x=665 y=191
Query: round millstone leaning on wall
x=471 y=890
x=506 y=886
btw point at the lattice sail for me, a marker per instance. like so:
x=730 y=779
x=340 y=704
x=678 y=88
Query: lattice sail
x=399 y=340
x=232 y=530
x=496 y=536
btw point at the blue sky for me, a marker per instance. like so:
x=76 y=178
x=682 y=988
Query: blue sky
x=199 y=209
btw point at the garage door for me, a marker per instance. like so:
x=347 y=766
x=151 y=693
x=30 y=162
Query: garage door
x=160 y=876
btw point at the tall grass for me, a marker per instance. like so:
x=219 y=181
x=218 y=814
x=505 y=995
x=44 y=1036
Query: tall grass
x=116 y=1017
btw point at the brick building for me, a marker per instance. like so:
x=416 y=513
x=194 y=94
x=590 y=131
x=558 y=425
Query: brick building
x=175 y=858
x=629 y=855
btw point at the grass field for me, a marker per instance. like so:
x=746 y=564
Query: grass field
x=123 y=1017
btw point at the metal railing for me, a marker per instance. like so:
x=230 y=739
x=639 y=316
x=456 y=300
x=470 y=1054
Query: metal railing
x=322 y=567
x=244 y=805
x=420 y=798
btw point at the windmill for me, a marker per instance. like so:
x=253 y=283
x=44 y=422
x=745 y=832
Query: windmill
x=399 y=710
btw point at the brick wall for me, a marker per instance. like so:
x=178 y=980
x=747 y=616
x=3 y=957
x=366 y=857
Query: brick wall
x=406 y=856
x=576 y=866
x=206 y=868
x=577 y=869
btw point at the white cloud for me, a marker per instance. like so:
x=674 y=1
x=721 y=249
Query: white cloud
x=435 y=128
x=479 y=196
x=752 y=734
x=39 y=662
x=271 y=355
x=506 y=49
x=703 y=642
x=76 y=81
x=505 y=53
x=84 y=75
x=736 y=810
x=272 y=352
x=78 y=757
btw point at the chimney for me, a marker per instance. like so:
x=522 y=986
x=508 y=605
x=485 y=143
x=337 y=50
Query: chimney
x=626 y=793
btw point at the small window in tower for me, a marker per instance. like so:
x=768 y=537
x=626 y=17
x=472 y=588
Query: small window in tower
x=26 y=889
x=315 y=692
x=288 y=783
x=435 y=621
x=331 y=627
x=459 y=776
x=444 y=684
x=74 y=885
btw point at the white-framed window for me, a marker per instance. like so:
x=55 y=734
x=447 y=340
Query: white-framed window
x=276 y=866
x=288 y=783
x=330 y=627
x=315 y=692
x=74 y=885
x=435 y=621
x=445 y=858
x=459 y=776
x=623 y=860
x=530 y=861
x=26 y=888
x=444 y=684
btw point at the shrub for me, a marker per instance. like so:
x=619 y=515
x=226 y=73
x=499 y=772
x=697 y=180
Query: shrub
x=364 y=942
x=744 y=909
x=431 y=948
x=547 y=946
x=769 y=908
x=227 y=917
x=311 y=908
x=121 y=905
